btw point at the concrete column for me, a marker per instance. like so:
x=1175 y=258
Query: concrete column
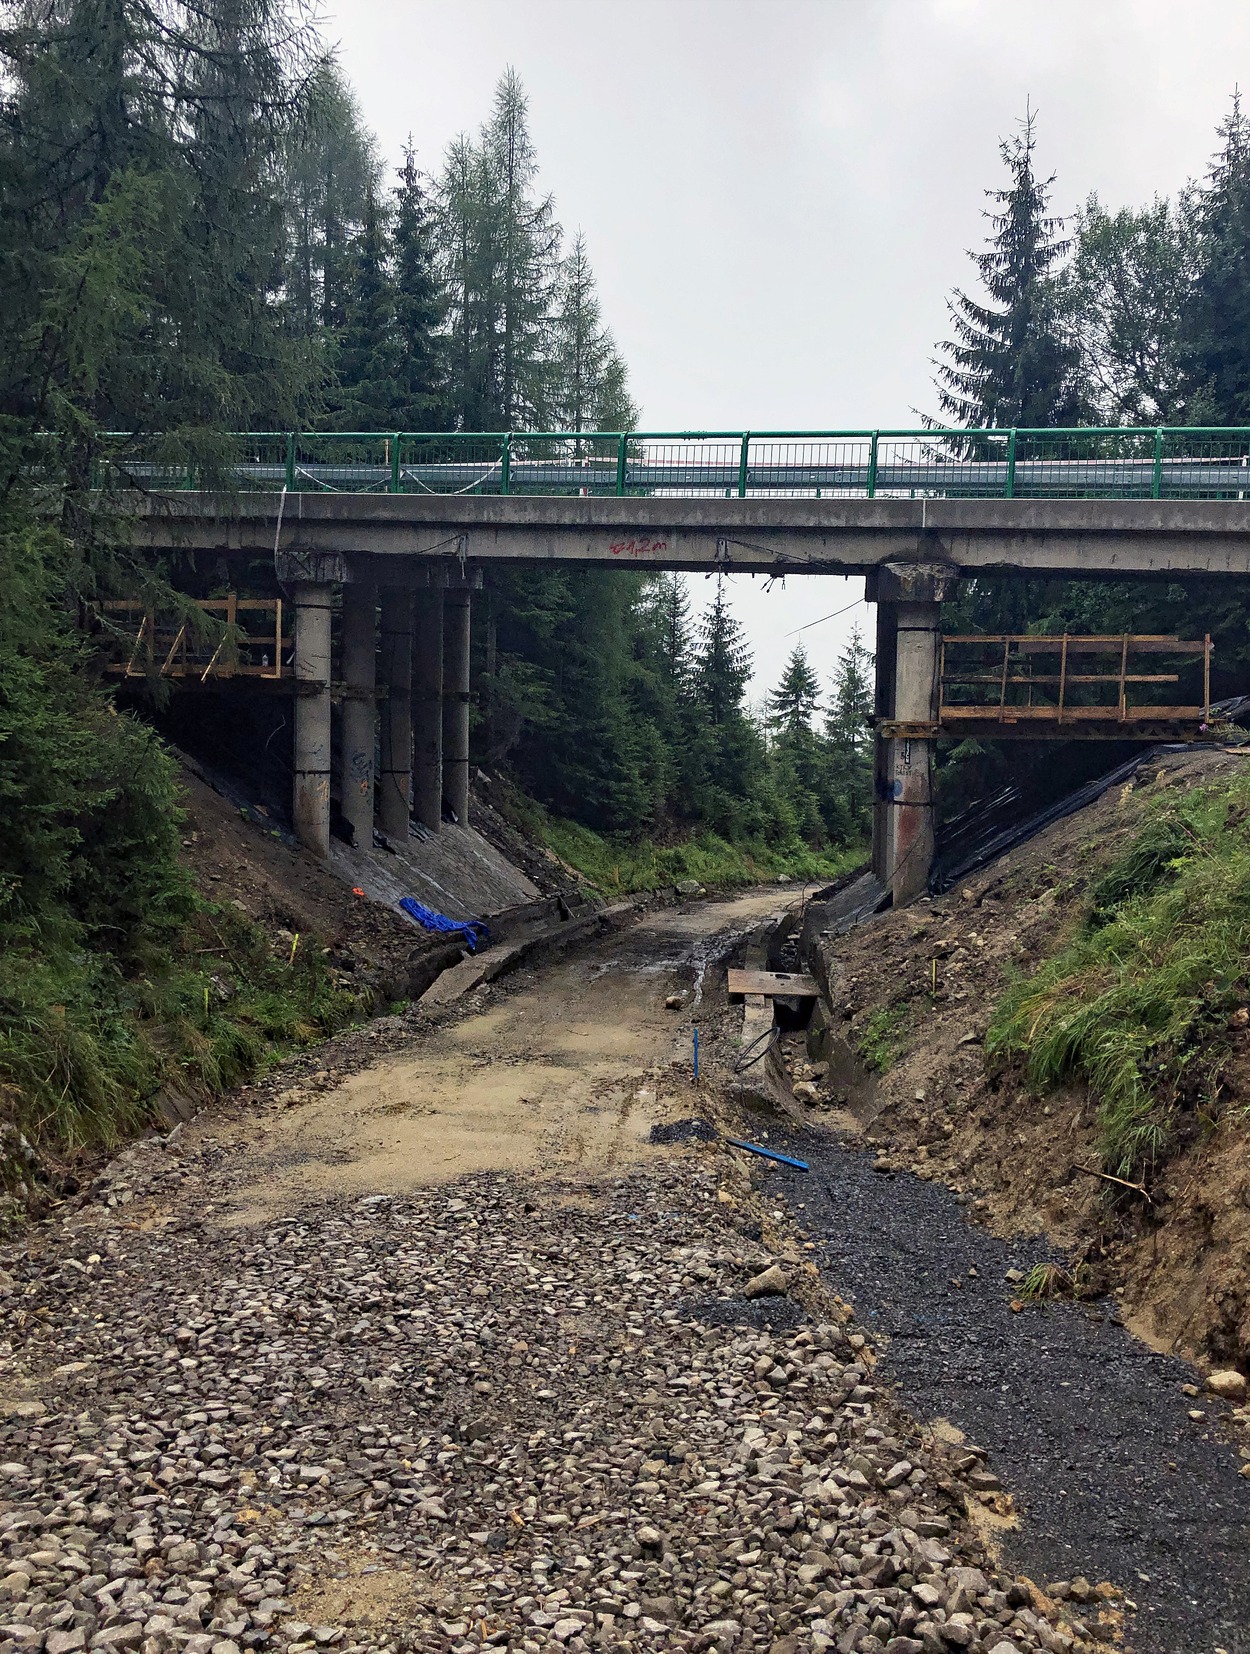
x=909 y=620
x=909 y=758
x=427 y=708
x=311 y=801
x=883 y=710
x=360 y=647
x=456 y=702
x=395 y=780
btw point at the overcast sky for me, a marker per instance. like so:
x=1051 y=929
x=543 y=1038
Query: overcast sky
x=778 y=194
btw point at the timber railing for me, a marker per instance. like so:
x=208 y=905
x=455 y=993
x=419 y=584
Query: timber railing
x=1113 y=463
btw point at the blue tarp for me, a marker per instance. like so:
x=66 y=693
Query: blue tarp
x=473 y=930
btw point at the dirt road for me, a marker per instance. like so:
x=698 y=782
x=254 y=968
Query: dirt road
x=552 y=1074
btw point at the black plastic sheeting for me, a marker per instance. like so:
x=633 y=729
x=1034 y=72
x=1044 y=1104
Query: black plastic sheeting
x=993 y=825
x=978 y=849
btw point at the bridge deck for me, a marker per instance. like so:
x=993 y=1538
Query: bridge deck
x=341 y=535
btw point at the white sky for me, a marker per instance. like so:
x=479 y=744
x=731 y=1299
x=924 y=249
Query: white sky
x=778 y=194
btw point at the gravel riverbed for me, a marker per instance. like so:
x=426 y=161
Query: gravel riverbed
x=516 y=1408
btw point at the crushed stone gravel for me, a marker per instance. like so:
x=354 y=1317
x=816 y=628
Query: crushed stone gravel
x=498 y=1413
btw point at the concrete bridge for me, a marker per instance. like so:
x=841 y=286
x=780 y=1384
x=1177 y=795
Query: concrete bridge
x=371 y=520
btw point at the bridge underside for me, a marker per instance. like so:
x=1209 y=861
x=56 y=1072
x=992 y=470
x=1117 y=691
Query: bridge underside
x=413 y=560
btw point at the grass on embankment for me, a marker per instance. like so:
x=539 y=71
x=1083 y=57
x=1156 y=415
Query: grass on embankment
x=85 y=1048
x=613 y=867
x=1137 y=1004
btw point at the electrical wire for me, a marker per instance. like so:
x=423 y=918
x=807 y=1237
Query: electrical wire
x=857 y=603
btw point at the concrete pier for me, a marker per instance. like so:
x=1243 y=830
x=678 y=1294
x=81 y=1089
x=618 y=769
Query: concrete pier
x=359 y=731
x=909 y=597
x=427 y=706
x=456 y=701
x=311 y=801
x=395 y=779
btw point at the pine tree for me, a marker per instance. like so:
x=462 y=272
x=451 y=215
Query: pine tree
x=525 y=245
x=420 y=372
x=792 y=705
x=1012 y=360
x=723 y=663
x=368 y=351
x=1128 y=290
x=588 y=374
x=847 y=802
x=1217 y=359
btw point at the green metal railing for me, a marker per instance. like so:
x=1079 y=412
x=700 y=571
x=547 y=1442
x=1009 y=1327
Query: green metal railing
x=1114 y=462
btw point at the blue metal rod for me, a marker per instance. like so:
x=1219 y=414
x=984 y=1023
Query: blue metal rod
x=768 y=1154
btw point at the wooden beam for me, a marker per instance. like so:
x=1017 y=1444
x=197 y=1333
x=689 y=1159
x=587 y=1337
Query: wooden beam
x=773 y=984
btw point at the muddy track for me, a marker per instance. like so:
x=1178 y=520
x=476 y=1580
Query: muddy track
x=1086 y=1426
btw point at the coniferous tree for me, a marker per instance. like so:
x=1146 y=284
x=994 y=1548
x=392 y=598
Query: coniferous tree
x=1128 y=290
x=588 y=375
x=331 y=168
x=420 y=372
x=468 y=284
x=792 y=705
x=368 y=351
x=796 y=751
x=524 y=246
x=1217 y=357
x=848 y=737
x=1012 y=360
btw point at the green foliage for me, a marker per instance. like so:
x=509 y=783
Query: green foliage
x=615 y=865
x=1217 y=320
x=882 y=1041
x=114 y=979
x=1127 y=289
x=1012 y=360
x=1135 y=1005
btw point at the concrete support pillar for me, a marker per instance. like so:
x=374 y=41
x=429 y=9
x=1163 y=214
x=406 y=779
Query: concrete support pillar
x=395 y=779
x=456 y=702
x=909 y=620
x=359 y=734
x=427 y=708
x=311 y=801
x=909 y=758
x=883 y=710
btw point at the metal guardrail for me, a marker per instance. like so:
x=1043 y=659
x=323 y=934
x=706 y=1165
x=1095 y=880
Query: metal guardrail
x=1170 y=462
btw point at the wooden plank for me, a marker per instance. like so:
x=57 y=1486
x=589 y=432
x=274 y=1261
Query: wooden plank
x=787 y=984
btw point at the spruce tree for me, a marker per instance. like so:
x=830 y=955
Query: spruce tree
x=367 y=357
x=848 y=741
x=1012 y=360
x=1217 y=358
x=420 y=371
x=589 y=378
x=792 y=705
x=723 y=664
